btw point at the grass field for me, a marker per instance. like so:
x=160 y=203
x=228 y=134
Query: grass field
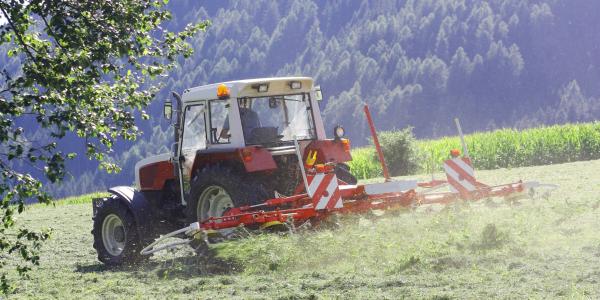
x=547 y=248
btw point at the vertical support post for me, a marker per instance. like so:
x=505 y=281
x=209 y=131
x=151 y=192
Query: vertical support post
x=386 y=173
x=462 y=138
x=177 y=148
x=301 y=163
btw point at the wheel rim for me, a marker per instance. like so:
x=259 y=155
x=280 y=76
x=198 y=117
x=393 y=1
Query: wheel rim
x=113 y=235
x=213 y=202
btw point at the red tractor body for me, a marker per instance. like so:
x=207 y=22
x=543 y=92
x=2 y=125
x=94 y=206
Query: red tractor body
x=234 y=146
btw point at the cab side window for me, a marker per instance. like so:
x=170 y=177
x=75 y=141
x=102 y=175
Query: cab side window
x=219 y=122
x=194 y=129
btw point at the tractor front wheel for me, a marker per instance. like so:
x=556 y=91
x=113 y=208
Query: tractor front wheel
x=115 y=234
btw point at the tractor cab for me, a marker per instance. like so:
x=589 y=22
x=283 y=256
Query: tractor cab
x=267 y=112
x=257 y=118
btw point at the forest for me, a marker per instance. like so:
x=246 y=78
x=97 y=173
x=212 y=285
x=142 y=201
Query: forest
x=417 y=63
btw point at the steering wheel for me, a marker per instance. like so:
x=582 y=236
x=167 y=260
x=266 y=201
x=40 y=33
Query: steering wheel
x=213 y=133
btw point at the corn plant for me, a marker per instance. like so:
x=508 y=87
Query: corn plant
x=504 y=148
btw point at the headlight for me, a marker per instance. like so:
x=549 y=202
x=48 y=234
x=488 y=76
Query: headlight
x=295 y=85
x=261 y=87
x=339 y=132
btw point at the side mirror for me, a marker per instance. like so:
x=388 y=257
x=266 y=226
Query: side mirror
x=168 y=110
x=318 y=94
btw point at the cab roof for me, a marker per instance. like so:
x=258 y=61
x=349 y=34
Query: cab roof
x=248 y=88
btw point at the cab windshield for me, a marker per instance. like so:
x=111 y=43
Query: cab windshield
x=276 y=119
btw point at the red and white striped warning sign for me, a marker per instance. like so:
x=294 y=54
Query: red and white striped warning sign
x=324 y=190
x=461 y=175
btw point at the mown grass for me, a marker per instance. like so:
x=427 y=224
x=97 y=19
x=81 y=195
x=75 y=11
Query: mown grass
x=506 y=148
x=547 y=248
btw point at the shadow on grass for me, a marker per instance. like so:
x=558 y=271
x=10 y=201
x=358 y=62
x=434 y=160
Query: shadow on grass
x=203 y=265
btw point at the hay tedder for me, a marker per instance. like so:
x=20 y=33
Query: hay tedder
x=253 y=154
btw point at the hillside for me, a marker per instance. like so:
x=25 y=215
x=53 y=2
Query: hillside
x=495 y=63
x=547 y=248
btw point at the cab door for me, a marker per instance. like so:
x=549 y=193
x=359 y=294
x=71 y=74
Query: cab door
x=193 y=138
x=220 y=133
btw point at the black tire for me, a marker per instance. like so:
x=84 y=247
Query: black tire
x=243 y=188
x=285 y=181
x=130 y=253
x=342 y=171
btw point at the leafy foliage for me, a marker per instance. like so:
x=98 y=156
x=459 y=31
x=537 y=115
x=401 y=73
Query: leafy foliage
x=400 y=151
x=87 y=70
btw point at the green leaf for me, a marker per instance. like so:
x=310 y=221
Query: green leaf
x=88 y=85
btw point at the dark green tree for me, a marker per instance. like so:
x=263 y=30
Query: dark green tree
x=88 y=68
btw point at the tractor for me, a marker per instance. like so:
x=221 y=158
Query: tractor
x=235 y=144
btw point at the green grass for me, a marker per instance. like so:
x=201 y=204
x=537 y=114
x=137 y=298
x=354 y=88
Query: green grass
x=76 y=199
x=547 y=248
x=506 y=148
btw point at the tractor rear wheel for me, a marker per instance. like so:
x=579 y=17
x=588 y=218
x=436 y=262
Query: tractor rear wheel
x=115 y=234
x=215 y=189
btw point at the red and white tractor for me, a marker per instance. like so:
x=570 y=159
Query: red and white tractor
x=253 y=154
x=234 y=146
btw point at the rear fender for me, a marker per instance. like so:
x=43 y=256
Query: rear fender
x=137 y=204
x=328 y=151
x=253 y=159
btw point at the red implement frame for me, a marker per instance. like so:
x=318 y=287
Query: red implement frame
x=328 y=195
x=386 y=173
x=300 y=208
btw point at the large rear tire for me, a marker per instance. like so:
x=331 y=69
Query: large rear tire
x=115 y=234
x=215 y=189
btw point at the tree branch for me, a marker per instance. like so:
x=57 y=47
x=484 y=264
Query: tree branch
x=51 y=33
x=17 y=34
x=22 y=159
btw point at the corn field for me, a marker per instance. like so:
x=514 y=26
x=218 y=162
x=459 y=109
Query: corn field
x=505 y=148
